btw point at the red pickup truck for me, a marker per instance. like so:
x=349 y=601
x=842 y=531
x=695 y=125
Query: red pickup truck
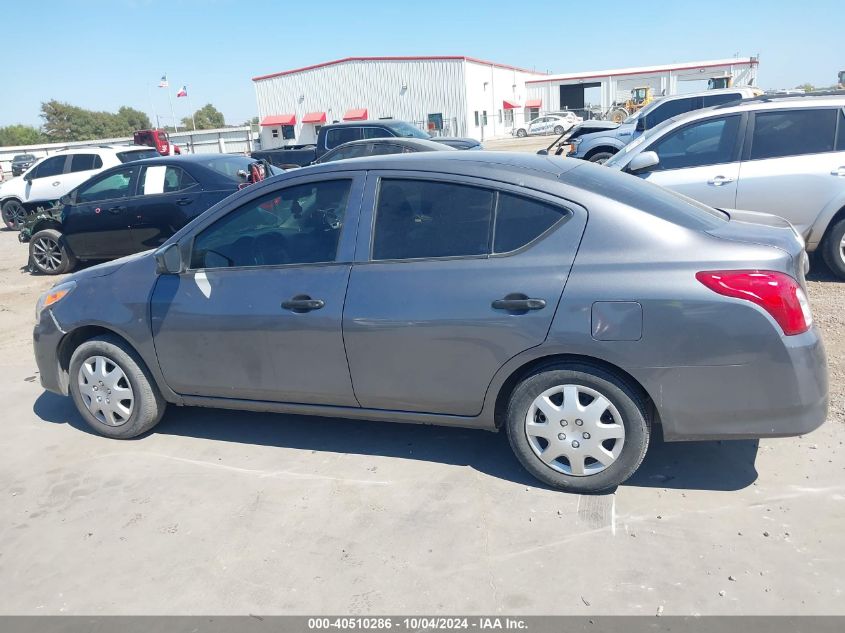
x=156 y=138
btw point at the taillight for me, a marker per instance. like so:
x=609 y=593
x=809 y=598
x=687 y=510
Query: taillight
x=777 y=293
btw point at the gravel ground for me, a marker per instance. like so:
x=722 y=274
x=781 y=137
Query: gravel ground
x=222 y=512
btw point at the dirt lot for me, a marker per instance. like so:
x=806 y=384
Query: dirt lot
x=227 y=512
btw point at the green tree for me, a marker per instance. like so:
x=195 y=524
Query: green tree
x=806 y=87
x=19 y=135
x=207 y=118
x=66 y=122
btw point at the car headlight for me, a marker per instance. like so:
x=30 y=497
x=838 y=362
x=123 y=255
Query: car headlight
x=53 y=296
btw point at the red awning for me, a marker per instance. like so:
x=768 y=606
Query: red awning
x=534 y=103
x=314 y=117
x=507 y=105
x=279 y=119
x=356 y=114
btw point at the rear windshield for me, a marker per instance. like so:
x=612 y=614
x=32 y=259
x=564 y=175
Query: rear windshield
x=136 y=154
x=650 y=198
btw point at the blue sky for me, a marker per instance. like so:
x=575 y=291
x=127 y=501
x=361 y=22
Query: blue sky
x=102 y=54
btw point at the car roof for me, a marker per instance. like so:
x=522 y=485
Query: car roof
x=419 y=143
x=94 y=149
x=181 y=159
x=383 y=122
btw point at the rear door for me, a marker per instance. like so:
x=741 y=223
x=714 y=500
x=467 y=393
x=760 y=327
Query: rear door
x=96 y=226
x=436 y=302
x=700 y=160
x=793 y=167
x=167 y=200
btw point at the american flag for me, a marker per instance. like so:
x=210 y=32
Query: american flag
x=163 y=83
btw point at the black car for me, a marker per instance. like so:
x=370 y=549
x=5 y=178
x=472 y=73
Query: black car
x=134 y=207
x=458 y=142
x=379 y=146
x=21 y=163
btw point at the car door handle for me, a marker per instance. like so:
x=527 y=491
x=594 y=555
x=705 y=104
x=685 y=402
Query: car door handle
x=303 y=303
x=719 y=180
x=184 y=201
x=115 y=209
x=57 y=183
x=839 y=171
x=518 y=303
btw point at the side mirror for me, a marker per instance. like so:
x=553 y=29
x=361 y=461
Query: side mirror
x=543 y=152
x=644 y=162
x=641 y=124
x=168 y=260
x=28 y=176
x=68 y=198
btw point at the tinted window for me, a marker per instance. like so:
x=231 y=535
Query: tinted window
x=708 y=142
x=128 y=157
x=520 y=220
x=840 y=139
x=352 y=151
x=390 y=148
x=341 y=135
x=418 y=218
x=164 y=179
x=114 y=185
x=234 y=167
x=718 y=99
x=375 y=132
x=297 y=225
x=52 y=166
x=671 y=108
x=792 y=133
x=85 y=162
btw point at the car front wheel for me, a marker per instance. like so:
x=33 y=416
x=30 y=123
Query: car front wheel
x=14 y=214
x=578 y=428
x=833 y=249
x=558 y=130
x=113 y=390
x=521 y=133
x=49 y=254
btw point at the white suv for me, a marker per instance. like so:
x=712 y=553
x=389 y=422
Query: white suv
x=54 y=176
x=783 y=155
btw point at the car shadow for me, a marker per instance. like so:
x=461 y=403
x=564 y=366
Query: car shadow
x=820 y=271
x=687 y=465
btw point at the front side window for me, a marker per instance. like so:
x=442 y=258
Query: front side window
x=375 y=132
x=521 y=220
x=423 y=219
x=341 y=135
x=667 y=109
x=52 y=166
x=85 y=162
x=300 y=224
x=158 y=179
x=114 y=185
x=793 y=133
x=709 y=142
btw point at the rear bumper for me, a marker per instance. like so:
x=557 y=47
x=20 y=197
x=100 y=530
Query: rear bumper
x=46 y=338
x=784 y=395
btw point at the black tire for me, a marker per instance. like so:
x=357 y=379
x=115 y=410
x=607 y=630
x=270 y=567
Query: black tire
x=600 y=157
x=49 y=254
x=14 y=214
x=148 y=403
x=833 y=249
x=559 y=130
x=627 y=400
x=521 y=133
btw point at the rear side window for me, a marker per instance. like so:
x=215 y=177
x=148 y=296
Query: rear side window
x=164 y=179
x=719 y=99
x=521 y=220
x=423 y=219
x=341 y=135
x=85 y=162
x=793 y=133
x=840 y=139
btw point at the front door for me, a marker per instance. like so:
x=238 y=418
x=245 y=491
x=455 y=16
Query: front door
x=257 y=315
x=47 y=180
x=96 y=225
x=700 y=160
x=437 y=304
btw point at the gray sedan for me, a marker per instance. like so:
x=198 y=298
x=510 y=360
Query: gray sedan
x=574 y=306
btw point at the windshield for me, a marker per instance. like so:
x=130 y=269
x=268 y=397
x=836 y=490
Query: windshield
x=23 y=157
x=407 y=130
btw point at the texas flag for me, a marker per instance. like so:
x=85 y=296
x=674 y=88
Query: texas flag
x=163 y=83
x=183 y=92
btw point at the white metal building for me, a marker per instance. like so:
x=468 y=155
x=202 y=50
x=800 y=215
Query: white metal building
x=448 y=95
x=567 y=91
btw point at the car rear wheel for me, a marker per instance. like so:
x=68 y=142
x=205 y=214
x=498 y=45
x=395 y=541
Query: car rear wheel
x=521 y=133
x=112 y=389
x=600 y=157
x=49 y=254
x=578 y=428
x=833 y=249
x=14 y=214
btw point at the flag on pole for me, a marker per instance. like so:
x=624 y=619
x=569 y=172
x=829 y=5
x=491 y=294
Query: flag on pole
x=183 y=92
x=163 y=83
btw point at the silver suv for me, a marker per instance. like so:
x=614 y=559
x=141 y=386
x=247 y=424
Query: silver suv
x=783 y=155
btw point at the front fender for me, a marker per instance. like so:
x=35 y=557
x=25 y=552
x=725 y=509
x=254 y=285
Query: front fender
x=590 y=145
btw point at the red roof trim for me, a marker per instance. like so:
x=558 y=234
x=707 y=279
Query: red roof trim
x=356 y=114
x=314 y=117
x=638 y=72
x=279 y=119
x=397 y=59
x=508 y=105
x=534 y=103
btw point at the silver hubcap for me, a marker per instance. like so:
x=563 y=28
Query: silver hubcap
x=106 y=390
x=47 y=253
x=842 y=248
x=574 y=430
